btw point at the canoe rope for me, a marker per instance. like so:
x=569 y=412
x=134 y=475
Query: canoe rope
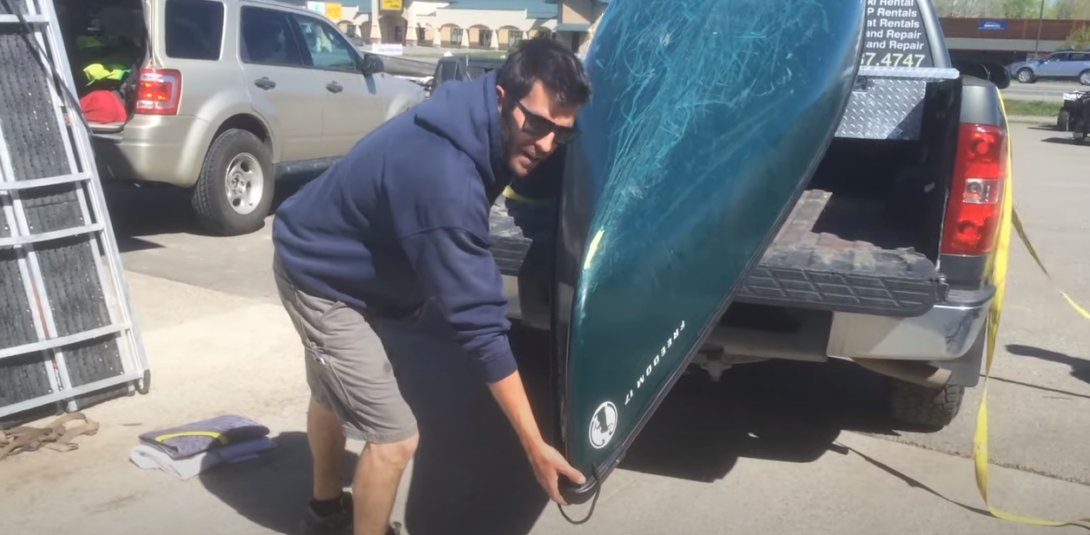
x=593 y=501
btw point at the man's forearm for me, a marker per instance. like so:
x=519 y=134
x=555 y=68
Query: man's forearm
x=511 y=396
x=548 y=464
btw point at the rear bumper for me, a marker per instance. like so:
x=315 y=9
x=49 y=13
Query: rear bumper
x=944 y=333
x=166 y=150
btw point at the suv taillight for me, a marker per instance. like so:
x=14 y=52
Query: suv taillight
x=976 y=195
x=159 y=92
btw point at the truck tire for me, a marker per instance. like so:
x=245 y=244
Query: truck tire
x=918 y=405
x=235 y=189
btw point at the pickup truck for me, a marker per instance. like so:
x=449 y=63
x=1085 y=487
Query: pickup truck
x=886 y=258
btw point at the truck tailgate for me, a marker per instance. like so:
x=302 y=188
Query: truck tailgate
x=811 y=264
x=814 y=262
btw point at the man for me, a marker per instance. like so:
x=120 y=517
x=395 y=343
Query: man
x=397 y=231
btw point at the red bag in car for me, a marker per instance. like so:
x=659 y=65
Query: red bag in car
x=103 y=106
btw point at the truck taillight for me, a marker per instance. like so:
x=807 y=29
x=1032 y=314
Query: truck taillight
x=976 y=194
x=159 y=91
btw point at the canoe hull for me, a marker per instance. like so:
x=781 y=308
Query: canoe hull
x=701 y=135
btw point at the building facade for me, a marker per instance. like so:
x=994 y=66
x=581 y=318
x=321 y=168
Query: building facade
x=574 y=18
x=462 y=24
x=1006 y=40
x=472 y=24
x=500 y=24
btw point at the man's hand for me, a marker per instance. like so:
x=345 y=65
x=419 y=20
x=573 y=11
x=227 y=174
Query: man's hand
x=549 y=465
x=547 y=462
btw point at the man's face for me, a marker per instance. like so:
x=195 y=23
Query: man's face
x=534 y=127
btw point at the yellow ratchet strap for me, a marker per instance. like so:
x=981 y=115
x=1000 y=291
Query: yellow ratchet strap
x=1009 y=219
x=510 y=193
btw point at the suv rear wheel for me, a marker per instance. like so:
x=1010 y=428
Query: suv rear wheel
x=235 y=189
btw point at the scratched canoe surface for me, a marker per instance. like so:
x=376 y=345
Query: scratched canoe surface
x=704 y=127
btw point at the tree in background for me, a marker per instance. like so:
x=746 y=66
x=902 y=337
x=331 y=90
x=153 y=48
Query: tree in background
x=1014 y=9
x=1078 y=39
x=1021 y=9
x=970 y=8
x=1069 y=9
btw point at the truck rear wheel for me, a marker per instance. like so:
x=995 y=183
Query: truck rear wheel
x=919 y=405
x=235 y=190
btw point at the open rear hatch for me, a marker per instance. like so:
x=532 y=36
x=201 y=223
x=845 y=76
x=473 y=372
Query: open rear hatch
x=107 y=43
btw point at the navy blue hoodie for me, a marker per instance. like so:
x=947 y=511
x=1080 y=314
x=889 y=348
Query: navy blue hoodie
x=404 y=217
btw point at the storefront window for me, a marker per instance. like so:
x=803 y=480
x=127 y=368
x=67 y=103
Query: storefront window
x=484 y=37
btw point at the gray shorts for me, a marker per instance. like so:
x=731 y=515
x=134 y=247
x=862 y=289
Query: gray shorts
x=347 y=368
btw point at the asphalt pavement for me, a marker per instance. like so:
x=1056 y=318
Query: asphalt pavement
x=1046 y=90
x=775 y=448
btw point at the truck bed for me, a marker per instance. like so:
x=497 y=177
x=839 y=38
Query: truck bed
x=824 y=257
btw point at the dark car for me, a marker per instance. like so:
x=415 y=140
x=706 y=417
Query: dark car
x=463 y=67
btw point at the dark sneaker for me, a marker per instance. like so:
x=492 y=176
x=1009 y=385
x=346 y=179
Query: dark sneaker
x=339 y=523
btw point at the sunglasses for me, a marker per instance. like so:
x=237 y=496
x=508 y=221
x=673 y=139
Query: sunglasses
x=539 y=127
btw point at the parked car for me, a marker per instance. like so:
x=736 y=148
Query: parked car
x=227 y=97
x=1060 y=65
x=463 y=67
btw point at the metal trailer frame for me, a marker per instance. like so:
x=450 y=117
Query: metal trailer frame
x=111 y=348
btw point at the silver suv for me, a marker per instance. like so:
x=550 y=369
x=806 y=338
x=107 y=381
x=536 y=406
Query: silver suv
x=1067 y=64
x=230 y=96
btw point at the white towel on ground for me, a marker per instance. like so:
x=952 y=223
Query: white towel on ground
x=150 y=458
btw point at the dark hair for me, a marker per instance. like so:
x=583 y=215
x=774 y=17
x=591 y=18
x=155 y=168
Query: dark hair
x=551 y=62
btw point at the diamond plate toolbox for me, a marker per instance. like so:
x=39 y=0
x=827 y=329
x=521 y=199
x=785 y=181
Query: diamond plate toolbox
x=887 y=102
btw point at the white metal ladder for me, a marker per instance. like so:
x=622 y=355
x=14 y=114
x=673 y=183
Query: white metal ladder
x=36 y=24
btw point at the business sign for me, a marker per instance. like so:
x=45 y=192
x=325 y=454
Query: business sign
x=992 y=25
x=896 y=37
x=388 y=49
x=317 y=7
x=333 y=11
x=391 y=5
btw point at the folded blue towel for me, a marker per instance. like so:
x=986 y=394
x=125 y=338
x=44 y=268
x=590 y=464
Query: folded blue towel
x=198 y=437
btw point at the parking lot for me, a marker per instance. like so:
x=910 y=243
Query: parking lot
x=774 y=448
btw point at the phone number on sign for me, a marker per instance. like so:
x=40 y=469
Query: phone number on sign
x=892 y=59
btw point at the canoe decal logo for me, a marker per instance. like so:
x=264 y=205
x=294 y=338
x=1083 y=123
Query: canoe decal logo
x=603 y=425
x=654 y=362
